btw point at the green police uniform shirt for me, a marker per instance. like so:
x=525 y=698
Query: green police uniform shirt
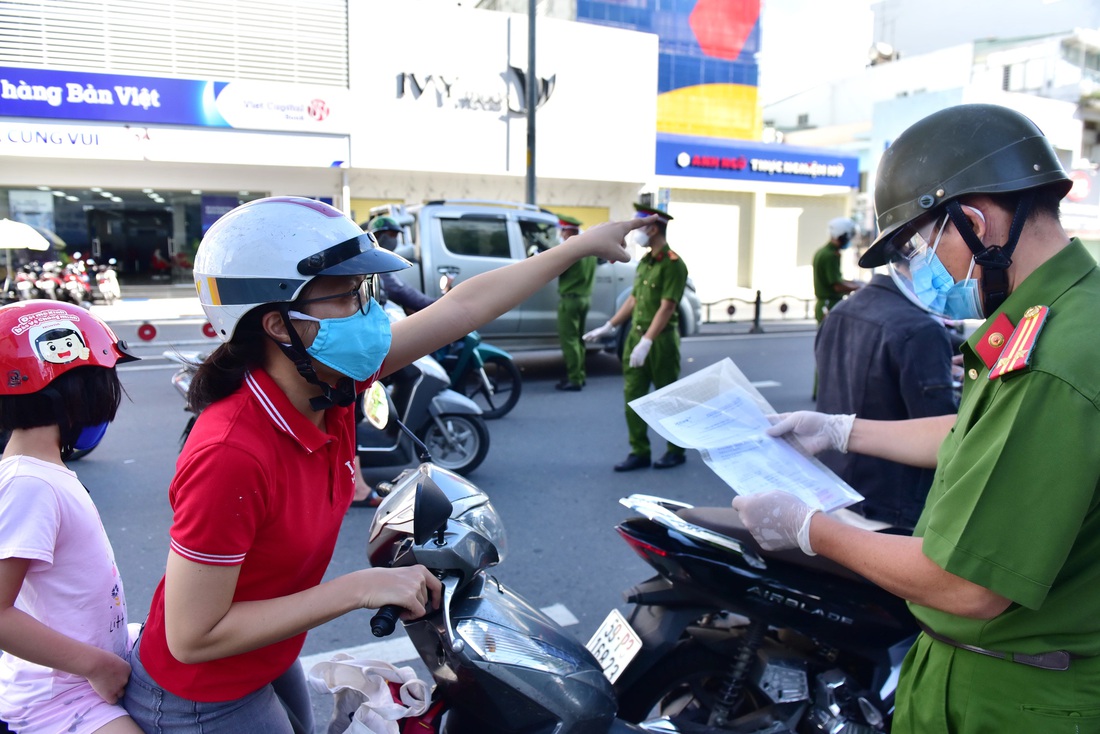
x=827 y=274
x=1013 y=506
x=660 y=276
x=578 y=278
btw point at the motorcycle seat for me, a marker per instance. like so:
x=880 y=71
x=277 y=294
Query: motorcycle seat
x=726 y=521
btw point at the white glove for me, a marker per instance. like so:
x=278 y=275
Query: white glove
x=599 y=332
x=815 y=431
x=640 y=352
x=777 y=520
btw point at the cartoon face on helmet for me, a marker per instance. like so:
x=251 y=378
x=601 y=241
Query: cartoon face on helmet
x=966 y=149
x=267 y=250
x=41 y=340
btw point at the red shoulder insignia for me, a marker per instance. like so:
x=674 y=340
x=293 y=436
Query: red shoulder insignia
x=1017 y=353
x=672 y=255
x=993 y=341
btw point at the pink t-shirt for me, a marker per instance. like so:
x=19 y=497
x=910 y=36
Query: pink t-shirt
x=72 y=583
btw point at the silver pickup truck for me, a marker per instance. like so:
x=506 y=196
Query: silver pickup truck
x=457 y=239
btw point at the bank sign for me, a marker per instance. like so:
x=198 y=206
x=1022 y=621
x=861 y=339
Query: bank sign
x=746 y=160
x=242 y=105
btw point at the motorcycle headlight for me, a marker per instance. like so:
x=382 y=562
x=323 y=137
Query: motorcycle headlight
x=484 y=519
x=497 y=644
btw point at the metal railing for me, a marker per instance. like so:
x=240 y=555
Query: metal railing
x=729 y=307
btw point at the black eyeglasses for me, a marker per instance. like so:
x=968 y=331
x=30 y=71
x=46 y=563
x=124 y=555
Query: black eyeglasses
x=363 y=294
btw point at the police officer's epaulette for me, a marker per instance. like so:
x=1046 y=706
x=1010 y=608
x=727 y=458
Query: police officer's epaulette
x=672 y=255
x=1016 y=354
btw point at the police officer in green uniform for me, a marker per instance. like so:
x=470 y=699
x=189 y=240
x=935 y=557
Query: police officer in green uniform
x=830 y=287
x=652 y=349
x=1003 y=567
x=574 y=297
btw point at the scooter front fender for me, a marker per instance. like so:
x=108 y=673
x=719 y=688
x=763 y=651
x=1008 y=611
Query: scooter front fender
x=451 y=402
x=486 y=351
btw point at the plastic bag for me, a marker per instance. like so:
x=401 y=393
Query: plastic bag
x=373 y=697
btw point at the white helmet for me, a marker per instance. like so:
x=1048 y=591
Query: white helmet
x=266 y=251
x=841 y=226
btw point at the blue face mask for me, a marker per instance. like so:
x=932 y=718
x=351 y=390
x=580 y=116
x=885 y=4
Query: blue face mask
x=931 y=282
x=354 y=345
x=963 y=299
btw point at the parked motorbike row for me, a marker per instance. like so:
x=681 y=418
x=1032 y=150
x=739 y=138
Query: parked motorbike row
x=81 y=282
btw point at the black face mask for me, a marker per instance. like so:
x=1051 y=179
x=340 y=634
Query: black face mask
x=843 y=240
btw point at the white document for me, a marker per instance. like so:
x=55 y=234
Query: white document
x=718 y=412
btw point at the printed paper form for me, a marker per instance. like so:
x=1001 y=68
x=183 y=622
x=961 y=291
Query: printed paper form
x=718 y=412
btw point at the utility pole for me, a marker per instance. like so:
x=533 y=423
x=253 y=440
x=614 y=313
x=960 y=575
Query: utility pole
x=532 y=101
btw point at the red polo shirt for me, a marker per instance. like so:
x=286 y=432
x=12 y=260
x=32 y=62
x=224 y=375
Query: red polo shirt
x=257 y=486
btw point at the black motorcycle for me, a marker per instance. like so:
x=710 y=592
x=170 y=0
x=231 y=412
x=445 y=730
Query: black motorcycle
x=500 y=665
x=728 y=637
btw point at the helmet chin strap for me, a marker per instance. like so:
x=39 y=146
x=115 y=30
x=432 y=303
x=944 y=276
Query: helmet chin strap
x=994 y=259
x=342 y=394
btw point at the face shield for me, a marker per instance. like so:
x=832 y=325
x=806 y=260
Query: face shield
x=922 y=277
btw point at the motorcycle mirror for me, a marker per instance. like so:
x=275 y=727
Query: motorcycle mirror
x=376 y=406
x=431 y=510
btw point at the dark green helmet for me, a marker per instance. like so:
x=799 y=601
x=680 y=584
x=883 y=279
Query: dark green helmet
x=968 y=149
x=384 y=224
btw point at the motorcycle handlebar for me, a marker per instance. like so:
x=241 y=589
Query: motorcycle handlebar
x=384 y=620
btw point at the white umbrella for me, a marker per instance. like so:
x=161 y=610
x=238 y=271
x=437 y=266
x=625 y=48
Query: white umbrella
x=19 y=236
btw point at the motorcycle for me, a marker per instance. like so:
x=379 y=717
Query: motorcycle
x=732 y=638
x=106 y=282
x=482 y=372
x=449 y=423
x=499 y=664
x=188 y=362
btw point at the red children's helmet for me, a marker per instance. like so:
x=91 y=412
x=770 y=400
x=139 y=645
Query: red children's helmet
x=42 y=340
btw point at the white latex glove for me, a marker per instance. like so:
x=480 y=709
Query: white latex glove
x=815 y=431
x=777 y=520
x=599 y=332
x=640 y=352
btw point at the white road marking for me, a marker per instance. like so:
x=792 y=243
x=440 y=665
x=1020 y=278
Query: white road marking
x=560 y=614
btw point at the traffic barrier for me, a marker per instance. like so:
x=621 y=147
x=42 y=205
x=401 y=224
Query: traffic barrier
x=729 y=306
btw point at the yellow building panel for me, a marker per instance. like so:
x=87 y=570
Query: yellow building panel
x=587 y=215
x=711 y=110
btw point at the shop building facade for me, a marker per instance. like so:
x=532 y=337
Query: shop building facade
x=159 y=126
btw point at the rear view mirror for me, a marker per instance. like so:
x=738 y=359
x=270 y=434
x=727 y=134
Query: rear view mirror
x=431 y=510
x=376 y=406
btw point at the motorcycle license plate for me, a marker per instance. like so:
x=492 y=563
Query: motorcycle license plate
x=614 y=645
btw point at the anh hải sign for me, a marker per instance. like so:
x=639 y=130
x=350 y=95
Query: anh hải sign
x=746 y=160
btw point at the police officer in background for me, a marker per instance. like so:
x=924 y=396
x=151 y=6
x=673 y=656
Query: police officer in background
x=388 y=233
x=574 y=298
x=829 y=285
x=1003 y=566
x=652 y=349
